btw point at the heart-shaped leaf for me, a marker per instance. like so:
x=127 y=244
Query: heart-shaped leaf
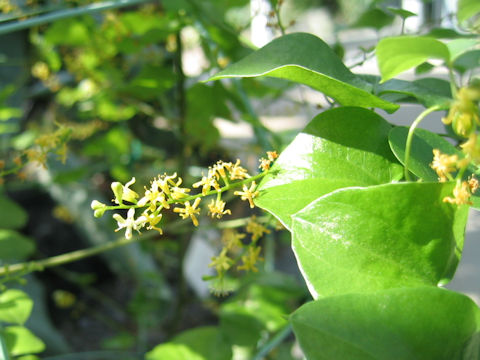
x=341 y=147
x=409 y=323
x=306 y=59
x=366 y=239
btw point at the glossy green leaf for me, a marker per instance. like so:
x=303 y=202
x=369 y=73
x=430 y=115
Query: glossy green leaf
x=13 y=216
x=306 y=59
x=14 y=246
x=22 y=341
x=467 y=9
x=15 y=306
x=202 y=343
x=341 y=147
x=425 y=323
x=421 y=153
x=367 y=239
x=398 y=54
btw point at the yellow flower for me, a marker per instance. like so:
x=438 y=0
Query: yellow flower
x=123 y=192
x=443 y=164
x=461 y=195
x=237 y=172
x=130 y=223
x=189 y=211
x=207 y=183
x=232 y=239
x=257 y=230
x=216 y=208
x=473 y=184
x=221 y=262
x=248 y=193
x=463 y=114
x=471 y=148
x=251 y=259
x=153 y=220
x=152 y=196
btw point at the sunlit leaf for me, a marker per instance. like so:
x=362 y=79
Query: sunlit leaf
x=341 y=147
x=358 y=240
x=398 y=54
x=22 y=341
x=15 y=306
x=306 y=59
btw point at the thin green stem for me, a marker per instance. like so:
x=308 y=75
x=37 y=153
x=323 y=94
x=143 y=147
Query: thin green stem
x=68 y=257
x=63 y=14
x=273 y=343
x=408 y=145
x=453 y=85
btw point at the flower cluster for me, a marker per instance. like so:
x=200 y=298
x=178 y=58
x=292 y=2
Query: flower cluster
x=166 y=191
x=464 y=118
x=238 y=252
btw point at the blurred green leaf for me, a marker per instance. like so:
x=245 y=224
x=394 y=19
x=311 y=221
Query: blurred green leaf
x=202 y=343
x=466 y=9
x=14 y=246
x=398 y=54
x=374 y=18
x=469 y=60
x=13 y=215
x=411 y=323
x=404 y=14
x=306 y=59
x=427 y=91
x=71 y=31
x=15 y=306
x=21 y=341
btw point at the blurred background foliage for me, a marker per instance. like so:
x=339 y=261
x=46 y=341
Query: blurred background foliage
x=98 y=91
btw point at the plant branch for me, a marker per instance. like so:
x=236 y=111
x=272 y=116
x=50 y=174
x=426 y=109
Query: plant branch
x=408 y=144
x=63 y=14
x=68 y=257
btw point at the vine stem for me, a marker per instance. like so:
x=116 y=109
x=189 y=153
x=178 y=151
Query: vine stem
x=84 y=253
x=68 y=257
x=408 y=145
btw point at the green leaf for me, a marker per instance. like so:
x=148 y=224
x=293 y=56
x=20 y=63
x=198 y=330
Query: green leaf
x=404 y=14
x=427 y=91
x=467 y=61
x=421 y=152
x=202 y=343
x=398 y=54
x=341 y=147
x=13 y=216
x=379 y=237
x=21 y=341
x=410 y=323
x=458 y=47
x=374 y=18
x=15 y=306
x=305 y=59
x=14 y=246
x=467 y=9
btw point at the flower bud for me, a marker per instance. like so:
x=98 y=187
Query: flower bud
x=99 y=213
x=117 y=189
x=95 y=205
